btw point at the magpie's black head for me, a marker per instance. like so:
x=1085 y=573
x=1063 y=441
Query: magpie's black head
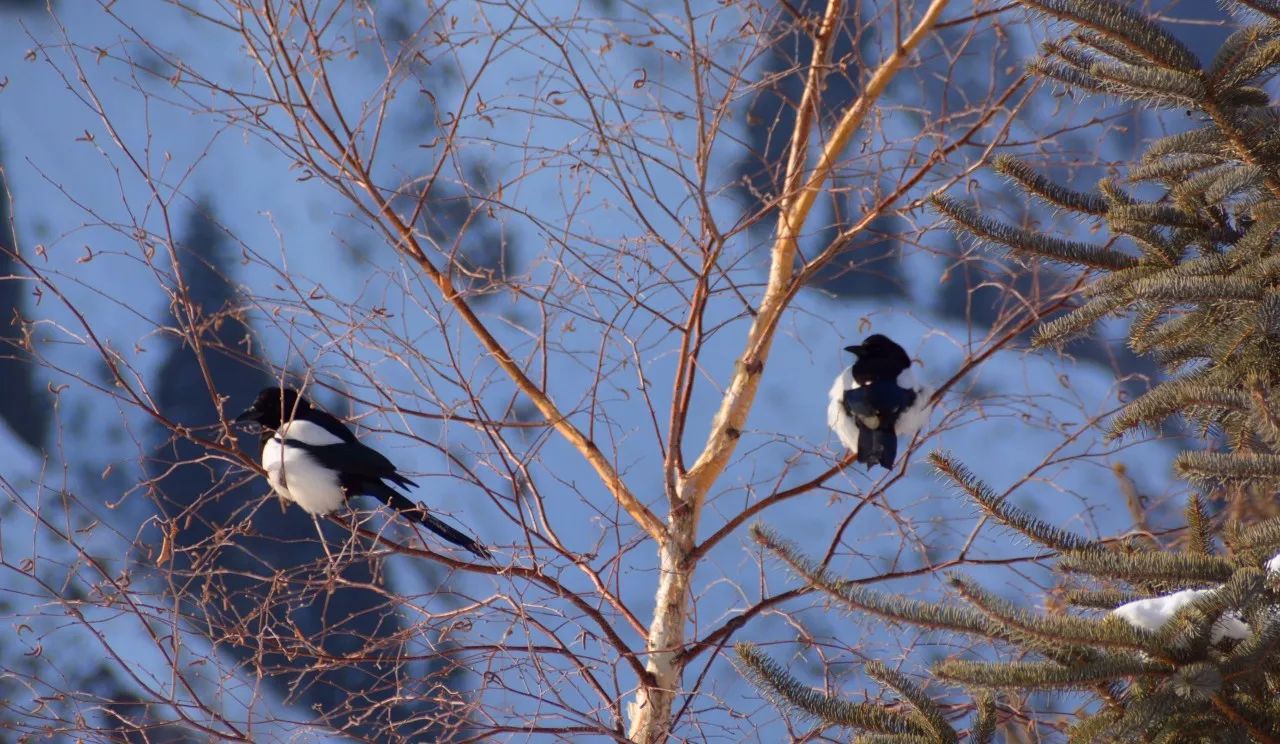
x=274 y=406
x=880 y=353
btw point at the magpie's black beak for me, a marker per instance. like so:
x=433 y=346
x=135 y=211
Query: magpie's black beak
x=249 y=414
x=854 y=349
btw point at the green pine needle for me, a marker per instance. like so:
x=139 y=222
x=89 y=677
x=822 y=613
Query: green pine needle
x=1046 y=675
x=784 y=690
x=1041 y=532
x=1031 y=243
x=1125 y=27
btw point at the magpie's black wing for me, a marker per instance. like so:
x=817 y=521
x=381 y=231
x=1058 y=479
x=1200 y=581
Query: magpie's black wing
x=361 y=470
x=418 y=513
x=878 y=399
x=856 y=404
x=878 y=404
x=331 y=424
x=353 y=458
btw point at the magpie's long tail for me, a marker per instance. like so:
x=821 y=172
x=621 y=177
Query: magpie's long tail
x=868 y=446
x=418 y=513
x=889 y=441
x=877 y=446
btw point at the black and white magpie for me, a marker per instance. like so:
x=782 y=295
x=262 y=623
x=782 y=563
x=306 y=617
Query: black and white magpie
x=315 y=461
x=877 y=400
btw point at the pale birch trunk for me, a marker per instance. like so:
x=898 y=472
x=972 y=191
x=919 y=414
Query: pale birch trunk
x=650 y=713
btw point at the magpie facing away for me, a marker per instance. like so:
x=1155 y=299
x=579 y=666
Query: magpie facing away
x=877 y=400
x=315 y=461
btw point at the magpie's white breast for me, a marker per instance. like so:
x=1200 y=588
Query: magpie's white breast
x=844 y=425
x=295 y=475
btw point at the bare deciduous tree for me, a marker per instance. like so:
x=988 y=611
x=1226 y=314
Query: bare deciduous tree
x=543 y=289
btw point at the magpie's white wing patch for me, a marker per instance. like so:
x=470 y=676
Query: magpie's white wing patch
x=841 y=423
x=916 y=415
x=296 y=476
x=308 y=432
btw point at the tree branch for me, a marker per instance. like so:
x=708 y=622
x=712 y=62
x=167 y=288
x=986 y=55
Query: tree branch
x=741 y=392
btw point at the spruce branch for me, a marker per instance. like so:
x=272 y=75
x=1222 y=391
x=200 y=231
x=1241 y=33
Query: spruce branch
x=1048 y=191
x=925 y=712
x=791 y=554
x=1100 y=599
x=1162 y=337
x=1260 y=237
x=1057 y=630
x=1076 y=323
x=1214 y=186
x=1199 y=538
x=1070 y=54
x=1099 y=728
x=1125 y=27
x=1172 y=397
x=1264 y=271
x=1243 y=97
x=1209 y=265
x=1147 y=566
x=1263 y=536
x=1258 y=731
x=1233 y=50
x=1240 y=590
x=1263 y=645
x=1254 y=60
x=1027 y=242
x=1196 y=681
x=784 y=690
x=1172 y=167
x=1157 y=250
x=1197 y=289
x=1046 y=675
x=1004 y=512
x=984 y=724
x=1214 y=468
x=1268 y=316
x=1108 y=46
x=1154 y=85
x=1265 y=420
x=1116 y=283
x=1067 y=75
x=1113 y=192
x=1158 y=215
x=890 y=606
x=1206 y=141
x=1269 y=8
x=1174 y=353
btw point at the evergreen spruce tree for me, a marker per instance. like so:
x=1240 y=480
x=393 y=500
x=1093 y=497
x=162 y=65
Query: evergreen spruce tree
x=1193 y=264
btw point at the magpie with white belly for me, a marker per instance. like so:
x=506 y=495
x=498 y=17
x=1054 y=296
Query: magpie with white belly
x=877 y=400
x=315 y=461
